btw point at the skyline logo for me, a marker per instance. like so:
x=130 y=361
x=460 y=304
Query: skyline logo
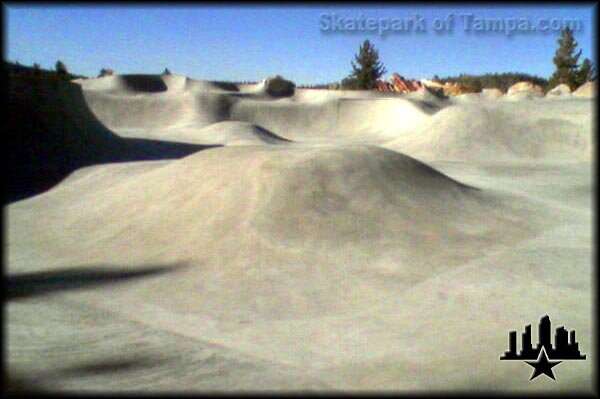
x=567 y=348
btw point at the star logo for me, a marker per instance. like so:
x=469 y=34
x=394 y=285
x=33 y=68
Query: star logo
x=542 y=366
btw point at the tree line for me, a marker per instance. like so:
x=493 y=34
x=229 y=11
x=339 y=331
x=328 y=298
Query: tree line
x=367 y=69
x=502 y=81
x=60 y=71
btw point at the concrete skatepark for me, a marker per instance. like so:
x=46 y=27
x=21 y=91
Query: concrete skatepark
x=221 y=238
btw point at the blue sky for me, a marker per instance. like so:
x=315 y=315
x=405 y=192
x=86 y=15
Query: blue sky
x=240 y=43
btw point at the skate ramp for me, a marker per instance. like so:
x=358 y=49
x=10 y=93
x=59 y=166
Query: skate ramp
x=52 y=132
x=306 y=115
x=496 y=130
x=419 y=124
x=235 y=207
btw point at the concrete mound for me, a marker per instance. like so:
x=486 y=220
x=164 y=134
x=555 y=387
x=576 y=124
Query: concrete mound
x=560 y=90
x=587 y=90
x=471 y=131
x=354 y=188
x=492 y=93
x=334 y=196
x=524 y=90
x=262 y=224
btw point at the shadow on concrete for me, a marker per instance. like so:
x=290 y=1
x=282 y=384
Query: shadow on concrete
x=14 y=385
x=109 y=366
x=144 y=83
x=51 y=132
x=27 y=285
x=19 y=383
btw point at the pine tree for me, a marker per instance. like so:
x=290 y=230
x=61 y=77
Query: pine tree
x=367 y=69
x=566 y=59
x=586 y=72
